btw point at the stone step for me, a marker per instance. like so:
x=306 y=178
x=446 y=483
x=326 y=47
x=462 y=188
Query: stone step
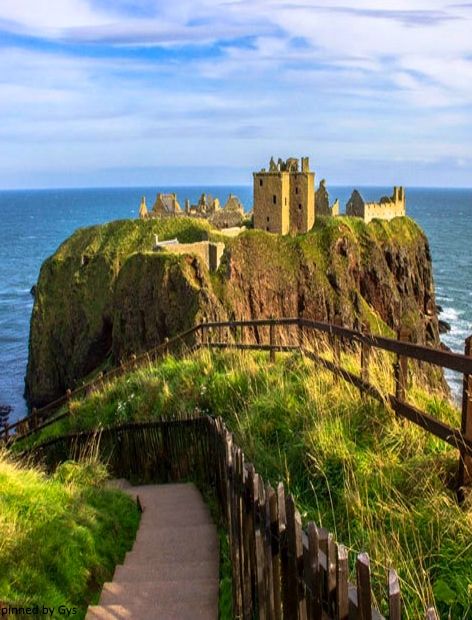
x=177 y=611
x=165 y=492
x=163 y=537
x=167 y=518
x=159 y=593
x=168 y=570
x=189 y=549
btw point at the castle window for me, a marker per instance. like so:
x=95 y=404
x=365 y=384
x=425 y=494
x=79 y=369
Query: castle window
x=300 y=207
x=296 y=190
x=260 y=182
x=274 y=199
x=285 y=199
x=267 y=219
x=267 y=228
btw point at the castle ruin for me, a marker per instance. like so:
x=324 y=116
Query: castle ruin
x=284 y=197
x=322 y=206
x=386 y=209
x=166 y=205
x=285 y=201
x=210 y=252
x=206 y=206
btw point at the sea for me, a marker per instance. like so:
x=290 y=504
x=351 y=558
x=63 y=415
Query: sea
x=35 y=222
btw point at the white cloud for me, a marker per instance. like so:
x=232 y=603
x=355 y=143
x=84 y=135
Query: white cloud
x=343 y=80
x=48 y=16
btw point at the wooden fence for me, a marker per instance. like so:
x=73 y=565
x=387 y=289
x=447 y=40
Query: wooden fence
x=261 y=334
x=279 y=569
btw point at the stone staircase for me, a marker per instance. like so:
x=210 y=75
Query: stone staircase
x=172 y=572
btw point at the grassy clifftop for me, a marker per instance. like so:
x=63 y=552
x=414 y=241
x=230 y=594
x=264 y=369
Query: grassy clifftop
x=60 y=537
x=104 y=293
x=71 y=330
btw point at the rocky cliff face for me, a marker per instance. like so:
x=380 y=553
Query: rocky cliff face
x=104 y=294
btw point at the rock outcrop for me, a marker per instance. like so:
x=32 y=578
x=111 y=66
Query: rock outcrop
x=104 y=294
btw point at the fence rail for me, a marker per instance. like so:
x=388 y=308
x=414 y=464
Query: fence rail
x=280 y=570
x=202 y=335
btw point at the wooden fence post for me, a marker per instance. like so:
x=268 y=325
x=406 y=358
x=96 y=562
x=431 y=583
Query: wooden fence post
x=259 y=538
x=275 y=551
x=272 y=341
x=283 y=547
x=465 y=462
x=394 y=600
x=364 y=594
x=342 y=574
x=34 y=418
x=315 y=610
x=401 y=367
x=294 y=603
x=300 y=334
x=365 y=356
x=69 y=398
x=337 y=347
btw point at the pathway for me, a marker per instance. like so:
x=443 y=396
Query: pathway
x=172 y=571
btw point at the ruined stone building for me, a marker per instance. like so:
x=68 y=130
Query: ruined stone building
x=322 y=206
x=230 y=216
x=210 y=252
x=284 y=197
x=386 y=209
x=166 y=204
x=143 y=210
x=206 y=206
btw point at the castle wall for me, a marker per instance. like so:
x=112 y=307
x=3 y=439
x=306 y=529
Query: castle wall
x=271 y=201
x=210 y=252
x=374 y=210
x=302 y=202
x=388 y=207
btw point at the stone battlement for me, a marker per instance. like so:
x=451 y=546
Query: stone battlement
x=387 y=208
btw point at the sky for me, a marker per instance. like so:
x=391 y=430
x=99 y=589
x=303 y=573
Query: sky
x=148 y=92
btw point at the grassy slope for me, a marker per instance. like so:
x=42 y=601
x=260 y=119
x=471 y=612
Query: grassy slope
x=377 y=482
x=60 y=537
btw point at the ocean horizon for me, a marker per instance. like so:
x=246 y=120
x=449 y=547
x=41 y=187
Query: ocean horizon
x=37 y=221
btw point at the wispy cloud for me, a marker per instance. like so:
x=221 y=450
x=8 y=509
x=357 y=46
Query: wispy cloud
x=124 y=83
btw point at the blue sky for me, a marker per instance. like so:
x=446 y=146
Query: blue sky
x=124 y=92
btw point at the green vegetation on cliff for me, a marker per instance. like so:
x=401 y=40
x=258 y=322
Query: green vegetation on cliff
x=104 y=294
x=75 y=320
x=60 y=536
x=377 y=482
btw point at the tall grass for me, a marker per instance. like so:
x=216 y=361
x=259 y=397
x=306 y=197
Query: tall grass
x=378 y=482
x=60 y=536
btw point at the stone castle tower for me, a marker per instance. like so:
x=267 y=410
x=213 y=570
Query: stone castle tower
x=284 y=197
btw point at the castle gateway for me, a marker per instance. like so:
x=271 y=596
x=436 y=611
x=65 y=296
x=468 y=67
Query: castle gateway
x=284 y=197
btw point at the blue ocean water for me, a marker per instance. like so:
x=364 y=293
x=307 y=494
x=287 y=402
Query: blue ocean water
x=35 y=222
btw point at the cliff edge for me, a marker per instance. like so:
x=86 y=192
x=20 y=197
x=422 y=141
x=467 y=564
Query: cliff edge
x=105 y=294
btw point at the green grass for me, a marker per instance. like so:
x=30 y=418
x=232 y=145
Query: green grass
x=377 y=482
x=60 y=536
